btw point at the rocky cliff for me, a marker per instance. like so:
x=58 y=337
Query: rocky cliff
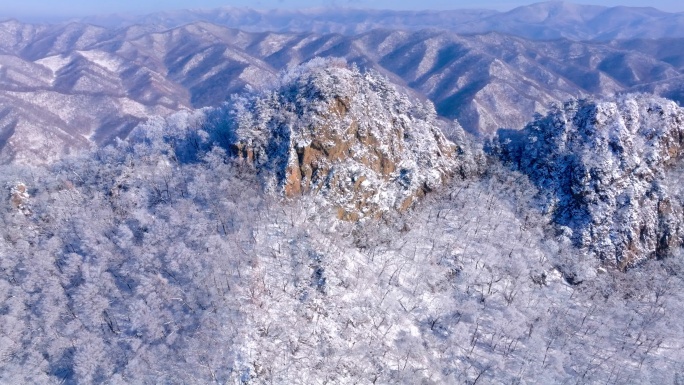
x=333 y=131
x=602 y=168
x=19 y=198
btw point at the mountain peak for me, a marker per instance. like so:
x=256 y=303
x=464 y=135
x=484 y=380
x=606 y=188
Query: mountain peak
x=601 y=166
x=554 y=11
x=332 y=131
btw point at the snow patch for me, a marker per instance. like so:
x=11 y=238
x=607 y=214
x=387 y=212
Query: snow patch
x=110 y=62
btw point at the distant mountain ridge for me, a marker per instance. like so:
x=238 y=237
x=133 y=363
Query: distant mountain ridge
x=545 y=20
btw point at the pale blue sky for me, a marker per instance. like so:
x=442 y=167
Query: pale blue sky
x=62 y=8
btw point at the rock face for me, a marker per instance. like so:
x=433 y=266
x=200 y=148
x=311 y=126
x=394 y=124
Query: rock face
x=603 y=170
x=19 y=198
x=348 y=136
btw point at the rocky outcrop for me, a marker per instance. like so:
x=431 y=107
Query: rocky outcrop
x=348 y=136
x=602 y=167
x=19 y=198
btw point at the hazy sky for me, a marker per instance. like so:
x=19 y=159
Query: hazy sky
x=43 y=8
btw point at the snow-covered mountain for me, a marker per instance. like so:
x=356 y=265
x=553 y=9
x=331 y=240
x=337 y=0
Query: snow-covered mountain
x=326 y=129
x=346 y=135
x=546 y=20
x=65 y=87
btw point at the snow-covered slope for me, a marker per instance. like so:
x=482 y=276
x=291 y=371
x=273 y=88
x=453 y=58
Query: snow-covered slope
x=140 y=264
x=602 y=166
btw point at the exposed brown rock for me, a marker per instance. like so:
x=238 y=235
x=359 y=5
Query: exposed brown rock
x=348 y=136
x=19 y=198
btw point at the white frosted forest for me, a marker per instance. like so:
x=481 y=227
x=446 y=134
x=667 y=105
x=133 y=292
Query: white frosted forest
x=173 y=258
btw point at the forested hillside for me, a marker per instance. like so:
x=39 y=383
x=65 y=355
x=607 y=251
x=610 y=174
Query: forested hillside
x=167 y=258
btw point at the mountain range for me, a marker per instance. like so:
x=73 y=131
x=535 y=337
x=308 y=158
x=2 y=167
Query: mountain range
x=68 y=86
x=546 y=20
x=193 y=203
